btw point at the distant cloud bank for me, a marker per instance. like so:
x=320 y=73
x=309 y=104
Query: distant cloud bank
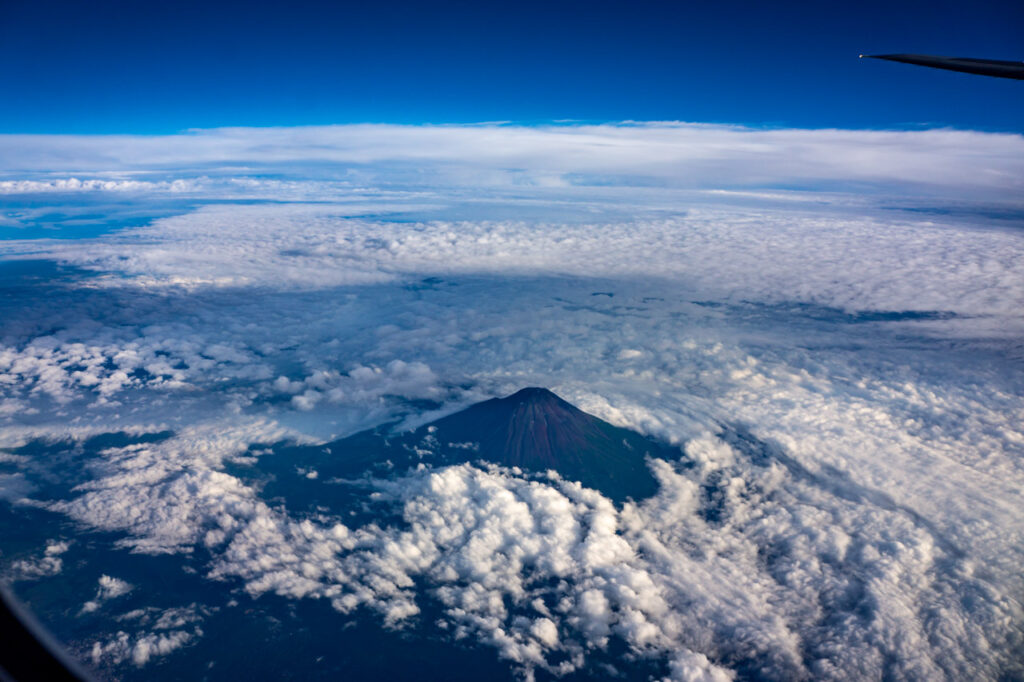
x=663 y=154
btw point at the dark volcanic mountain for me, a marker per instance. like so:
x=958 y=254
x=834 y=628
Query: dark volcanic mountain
x=532 y=429
x=536 y=430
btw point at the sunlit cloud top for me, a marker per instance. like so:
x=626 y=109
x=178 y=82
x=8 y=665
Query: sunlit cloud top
x=681 y=155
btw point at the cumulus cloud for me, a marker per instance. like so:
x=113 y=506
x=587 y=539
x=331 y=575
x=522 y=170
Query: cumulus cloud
x=109 y=588
x=181 y=482
x=362 y=385
x=49 y=564
x=166 y=619
x=141 y=647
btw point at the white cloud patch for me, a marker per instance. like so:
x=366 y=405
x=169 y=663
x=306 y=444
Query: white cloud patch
x=109 y=588
x=171 y=490
x=92 y=185
x=49 y=564
x=140 y=648
x=362 y=385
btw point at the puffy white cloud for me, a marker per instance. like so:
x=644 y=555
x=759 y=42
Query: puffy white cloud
x=140 y=648
x=690 y=667
x=363 y=385
x=49 y=564
x=109 y=588
x=170 y=493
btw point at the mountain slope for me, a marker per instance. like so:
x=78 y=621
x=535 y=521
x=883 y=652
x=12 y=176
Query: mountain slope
x=536 y=430
x=532 y=429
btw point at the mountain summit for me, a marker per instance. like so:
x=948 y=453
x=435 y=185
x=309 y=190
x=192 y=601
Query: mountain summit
x=532 y=429
x=536 y=430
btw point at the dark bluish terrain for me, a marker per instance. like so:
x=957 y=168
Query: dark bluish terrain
x=532 y=429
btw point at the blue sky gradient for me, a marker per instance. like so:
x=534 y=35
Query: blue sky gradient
x=129 y=67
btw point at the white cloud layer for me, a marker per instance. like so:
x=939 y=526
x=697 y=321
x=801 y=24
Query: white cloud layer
x=843 y=382
x=799 y=574
x=771 y=256
x=670 y=153
x=94 y=185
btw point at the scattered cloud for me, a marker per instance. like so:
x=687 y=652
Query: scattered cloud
x=49 y=564
x=109 y=588
x=140 y=648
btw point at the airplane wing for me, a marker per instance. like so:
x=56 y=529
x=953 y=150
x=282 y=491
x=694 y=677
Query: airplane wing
x=984 y=67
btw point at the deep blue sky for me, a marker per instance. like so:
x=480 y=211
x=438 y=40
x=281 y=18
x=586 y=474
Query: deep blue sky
x=156 y=67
